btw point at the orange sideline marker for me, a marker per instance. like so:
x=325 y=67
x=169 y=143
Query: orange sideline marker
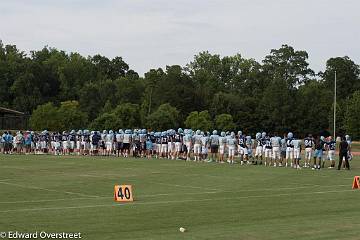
x=356 y=183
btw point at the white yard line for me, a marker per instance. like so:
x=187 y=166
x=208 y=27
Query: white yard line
x=185 y=186
x=46 y=189
x=169 y=202
x=167 y=194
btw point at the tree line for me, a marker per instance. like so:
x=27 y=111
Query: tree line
x=281 y=93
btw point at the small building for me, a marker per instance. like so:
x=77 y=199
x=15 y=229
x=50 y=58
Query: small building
x=13 y=120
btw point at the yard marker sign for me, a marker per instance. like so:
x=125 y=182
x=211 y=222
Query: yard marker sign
x=356 y=183
x=123 y=193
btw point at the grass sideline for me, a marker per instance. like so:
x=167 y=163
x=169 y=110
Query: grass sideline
x=212 y=201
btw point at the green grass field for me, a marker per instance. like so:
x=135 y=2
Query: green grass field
x=212 y=201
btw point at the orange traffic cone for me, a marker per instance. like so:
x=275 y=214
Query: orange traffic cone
x=356 y=183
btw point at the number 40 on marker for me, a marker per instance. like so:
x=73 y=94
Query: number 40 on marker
x=123 y=193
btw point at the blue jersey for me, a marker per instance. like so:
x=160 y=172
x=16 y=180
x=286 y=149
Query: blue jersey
x=268 y=144
x=308 y=142
x=331 y=145
x=242 y=141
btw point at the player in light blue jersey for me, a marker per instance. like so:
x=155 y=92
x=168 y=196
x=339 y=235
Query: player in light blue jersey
x=222 y=145
x=275 y=143
x=197 y=145
x=297 y=153
x=204 y=145
x=231 y=145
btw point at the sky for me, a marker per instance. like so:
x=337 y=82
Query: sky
x=155 y=33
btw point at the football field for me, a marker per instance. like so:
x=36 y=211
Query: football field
x=212 y=201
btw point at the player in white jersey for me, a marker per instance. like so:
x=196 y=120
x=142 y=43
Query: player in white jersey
x=283 y=151
x=222 y=145
x=197 y=145
x=188 y=143
x=127 y=141
x=109 y=143
x=350 y=156
x=289 y=149
x=275 y=143
x=309 y=148
x=258 y=149
x=297 y=152
x=231 y=145
x=119 y=136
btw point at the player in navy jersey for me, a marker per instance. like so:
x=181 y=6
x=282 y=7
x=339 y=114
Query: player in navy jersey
x=309 y=147
x=64 y=141
x=268 y=150
x=158 y=144
x=242 y=150
x=178 y=139
x=331 y=147
x=289 y=149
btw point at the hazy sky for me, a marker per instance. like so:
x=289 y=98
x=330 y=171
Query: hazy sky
x=155 y=33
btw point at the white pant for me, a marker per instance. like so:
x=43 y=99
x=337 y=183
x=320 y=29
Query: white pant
x=188 y=146
x=289 y=153
x=171 y=147
x=276 y=152
x=164 y=148
x=158 y=147
x=258 y=151
x=308 y=153
x=331 y=155
x=222 y=149
x=231 y=151
x=297 y=153
x=197 y=148
x=177 y=146
x=204 y=150
x=268 y=152
x=242 y=150
x=109 y=146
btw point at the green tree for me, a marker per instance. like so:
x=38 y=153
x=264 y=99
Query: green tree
x=105 y=121
x=289 y=65
x=45 y=116
x=347 y=76
x=224 y=122
x=128 y=116
x=71 y=116
x=123 y=116
x=353 y=116
x=199 y=120
x=165 y=117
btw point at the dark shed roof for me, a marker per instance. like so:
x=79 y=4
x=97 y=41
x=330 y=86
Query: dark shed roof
x=10 y=111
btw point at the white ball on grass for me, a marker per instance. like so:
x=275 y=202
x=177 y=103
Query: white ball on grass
x=182 y=229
